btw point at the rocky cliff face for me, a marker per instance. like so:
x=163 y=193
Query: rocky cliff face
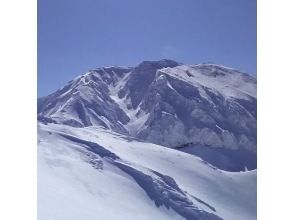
x=162 y=102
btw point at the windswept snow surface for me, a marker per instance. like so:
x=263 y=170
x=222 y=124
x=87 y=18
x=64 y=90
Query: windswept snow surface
x=93 y=173
x=224 y=80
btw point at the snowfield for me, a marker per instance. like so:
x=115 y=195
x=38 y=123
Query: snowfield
x=93 y=173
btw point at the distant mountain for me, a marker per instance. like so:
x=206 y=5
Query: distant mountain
x=125 y=143
x=162 y=102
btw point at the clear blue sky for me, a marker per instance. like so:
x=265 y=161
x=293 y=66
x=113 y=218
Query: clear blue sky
x=77 y=35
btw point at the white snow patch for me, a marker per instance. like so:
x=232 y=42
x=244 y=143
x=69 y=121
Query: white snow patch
x=229 y=85
x=70 y=188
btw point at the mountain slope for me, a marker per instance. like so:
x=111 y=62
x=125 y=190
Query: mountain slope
x=85 y=173
x=162 y=102
x=85 y=101
x=112 y=144
x=202 y=104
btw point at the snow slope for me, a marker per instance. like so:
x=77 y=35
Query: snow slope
x=93 y=173
x=229 y=82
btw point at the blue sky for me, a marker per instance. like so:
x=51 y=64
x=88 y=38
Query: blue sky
x=77 y=35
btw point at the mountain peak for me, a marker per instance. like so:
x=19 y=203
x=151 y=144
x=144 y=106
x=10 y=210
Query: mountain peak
x=158 y=64
x=163 y=102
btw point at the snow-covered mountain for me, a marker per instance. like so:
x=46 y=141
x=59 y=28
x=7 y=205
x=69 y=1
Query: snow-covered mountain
x=93 y=173
x=122 y=143
x=162 y=102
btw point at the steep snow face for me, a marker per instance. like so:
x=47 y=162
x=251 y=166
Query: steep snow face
x=88 y=172
x=162 y=102
x=203 y=105
x=86 y=101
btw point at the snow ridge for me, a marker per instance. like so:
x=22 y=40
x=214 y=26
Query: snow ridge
x=162 y=189
x=139 y=180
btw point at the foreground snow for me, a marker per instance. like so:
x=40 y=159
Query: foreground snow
x=91 y=173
